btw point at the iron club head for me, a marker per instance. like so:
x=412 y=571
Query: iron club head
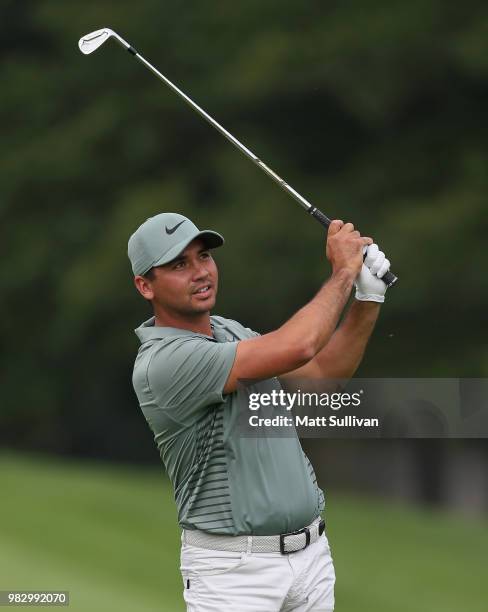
x=91 y=42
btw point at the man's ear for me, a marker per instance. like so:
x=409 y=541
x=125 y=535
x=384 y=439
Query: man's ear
x=144 y=286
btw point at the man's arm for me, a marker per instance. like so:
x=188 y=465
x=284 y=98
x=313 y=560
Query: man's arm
x=341 y=356
x=303 y=336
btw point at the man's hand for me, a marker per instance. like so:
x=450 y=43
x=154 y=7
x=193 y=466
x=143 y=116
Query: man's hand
x=369 y=287
x=298 y=340
x=345 y=247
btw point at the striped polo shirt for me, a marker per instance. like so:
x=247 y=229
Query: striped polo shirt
x=224 y=482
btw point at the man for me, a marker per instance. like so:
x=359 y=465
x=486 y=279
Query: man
x=249 y=508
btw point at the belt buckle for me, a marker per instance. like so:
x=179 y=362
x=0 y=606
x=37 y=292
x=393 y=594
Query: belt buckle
x=305 y=530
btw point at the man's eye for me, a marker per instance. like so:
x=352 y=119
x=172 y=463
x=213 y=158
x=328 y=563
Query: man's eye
x=205 y=255
x=179 y=266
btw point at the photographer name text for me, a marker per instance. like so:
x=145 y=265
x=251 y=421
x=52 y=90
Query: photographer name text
x=284 y=401
x=306 y=421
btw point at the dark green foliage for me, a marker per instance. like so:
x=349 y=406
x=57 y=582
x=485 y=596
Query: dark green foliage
x=375 y=111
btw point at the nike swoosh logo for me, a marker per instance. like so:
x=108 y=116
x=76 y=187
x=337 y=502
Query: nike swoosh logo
x=173 y=229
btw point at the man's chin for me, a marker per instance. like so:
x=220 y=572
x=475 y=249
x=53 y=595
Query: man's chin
x=203 y=306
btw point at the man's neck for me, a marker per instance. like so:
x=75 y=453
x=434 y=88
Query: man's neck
x=199 y=324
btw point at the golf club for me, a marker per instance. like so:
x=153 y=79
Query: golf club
x=91 y=42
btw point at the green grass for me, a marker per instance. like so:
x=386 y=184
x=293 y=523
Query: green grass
x=109 y=535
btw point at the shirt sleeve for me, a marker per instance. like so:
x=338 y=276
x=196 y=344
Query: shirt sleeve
x=188 y=374
x=252 y=333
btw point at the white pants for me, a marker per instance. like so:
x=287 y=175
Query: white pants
x=218 y=581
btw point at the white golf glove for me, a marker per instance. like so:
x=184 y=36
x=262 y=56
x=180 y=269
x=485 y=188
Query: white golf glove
x=369 y=287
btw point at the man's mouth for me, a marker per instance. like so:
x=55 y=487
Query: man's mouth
x=203 y=291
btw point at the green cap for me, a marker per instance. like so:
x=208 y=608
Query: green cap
x=162 y=238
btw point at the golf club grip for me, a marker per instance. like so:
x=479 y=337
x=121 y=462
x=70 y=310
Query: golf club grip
x=389 y=278
x=319 y=215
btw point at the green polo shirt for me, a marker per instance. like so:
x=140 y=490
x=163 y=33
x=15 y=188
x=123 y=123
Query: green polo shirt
x=224 y=483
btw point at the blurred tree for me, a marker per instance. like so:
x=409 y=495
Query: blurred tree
x=375 y=111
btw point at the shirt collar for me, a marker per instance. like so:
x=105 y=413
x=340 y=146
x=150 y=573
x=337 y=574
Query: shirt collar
x=148 y=331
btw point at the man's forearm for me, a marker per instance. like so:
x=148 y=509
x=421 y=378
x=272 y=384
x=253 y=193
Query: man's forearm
x=342 y=355
x=314 y=324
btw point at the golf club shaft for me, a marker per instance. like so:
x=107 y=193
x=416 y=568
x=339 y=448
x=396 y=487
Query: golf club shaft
x=389 y=278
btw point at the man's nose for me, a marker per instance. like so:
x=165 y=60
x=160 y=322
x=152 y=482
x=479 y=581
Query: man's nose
x=200 y=270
